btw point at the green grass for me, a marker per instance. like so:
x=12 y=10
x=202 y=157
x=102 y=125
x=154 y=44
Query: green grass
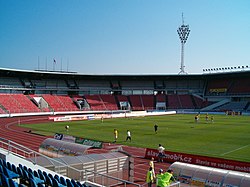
x=228 y=137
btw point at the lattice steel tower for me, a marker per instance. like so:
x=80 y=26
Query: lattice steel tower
x=183 y=32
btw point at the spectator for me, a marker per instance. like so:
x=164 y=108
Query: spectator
x=161 y=153
x=159 y=181
x=149 y=177
x=168 y=178
x=128 y=136
x=151 y=164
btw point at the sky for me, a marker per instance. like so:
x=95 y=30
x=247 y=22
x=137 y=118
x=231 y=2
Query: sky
x=123 y=36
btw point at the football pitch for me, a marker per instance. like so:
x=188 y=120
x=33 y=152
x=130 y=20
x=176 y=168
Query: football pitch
x=226 y=137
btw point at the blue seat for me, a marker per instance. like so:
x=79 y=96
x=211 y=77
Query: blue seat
x=19 y=171
x=1 y=169
x=4 y=163
x=25 y=168
x=32 y=183
x=12 y=183
x=10 y=174
x=79 y=184
x=47 y=179
x=50 y=176
x=20 y=166
x=25 y=175
x=69 y=183
x=39 y=171
x=57 y=178
x=57 y=184
x=30 y=170
x=4 y=180
x=35 y=173
x=14 y=169
x=74 y=183
x=41 y=176
x=35 y=179
x=63 y=181
x=9 y=166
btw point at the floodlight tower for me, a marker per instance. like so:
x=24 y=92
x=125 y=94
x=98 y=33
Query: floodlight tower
x=183 y=32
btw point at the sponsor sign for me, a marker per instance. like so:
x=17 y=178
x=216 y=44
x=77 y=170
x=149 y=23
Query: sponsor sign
x=200 y=160
x=58 y=136
x=93 y=143
x=84 y=141
x=217 y=90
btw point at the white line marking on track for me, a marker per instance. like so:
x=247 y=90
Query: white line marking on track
x=235 y=150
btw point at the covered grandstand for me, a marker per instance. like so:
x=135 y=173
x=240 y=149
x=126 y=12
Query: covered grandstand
x=36 y=91
x=26 y=93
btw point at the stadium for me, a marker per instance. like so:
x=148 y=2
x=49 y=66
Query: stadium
x=60 y=153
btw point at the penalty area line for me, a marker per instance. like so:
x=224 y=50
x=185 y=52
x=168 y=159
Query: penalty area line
x=235 y=150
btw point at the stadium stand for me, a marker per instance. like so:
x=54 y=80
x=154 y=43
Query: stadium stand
x=109 y=102
x=95 y=102
x=17 y=103
x=136 y=102
x=60 y=102
x=161 y=98
x=173 y=102
x=240 y=86
x=62 y=91
x=186 y=101
x=148 y=102
x=233 y=106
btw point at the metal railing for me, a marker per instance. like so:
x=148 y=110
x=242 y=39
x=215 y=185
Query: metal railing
x=61 y=168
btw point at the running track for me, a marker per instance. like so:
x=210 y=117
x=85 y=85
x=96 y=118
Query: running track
x=10 y=130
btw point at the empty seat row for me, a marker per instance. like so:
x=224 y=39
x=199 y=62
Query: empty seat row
x=12 y=176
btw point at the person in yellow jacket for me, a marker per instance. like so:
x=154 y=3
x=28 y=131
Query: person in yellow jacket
x=159 y=178
x=167 y=178
x=151 y=164
x=149 y=177
x=115 y=135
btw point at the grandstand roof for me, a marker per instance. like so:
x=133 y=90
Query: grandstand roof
x=74 y=75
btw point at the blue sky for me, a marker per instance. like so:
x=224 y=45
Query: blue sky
x=123 y=36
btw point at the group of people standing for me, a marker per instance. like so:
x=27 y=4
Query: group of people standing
x=116 y=135
x=129 y=133
x=197 y=118
x=161 y=179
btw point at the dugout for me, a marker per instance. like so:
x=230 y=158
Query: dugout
x=208 y=176
x=103 y=168
x=57 y=148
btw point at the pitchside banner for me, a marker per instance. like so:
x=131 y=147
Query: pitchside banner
x=84 y=141
x=93 y=143
x=200 y=160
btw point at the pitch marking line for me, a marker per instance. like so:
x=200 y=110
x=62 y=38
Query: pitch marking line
x=235 y=150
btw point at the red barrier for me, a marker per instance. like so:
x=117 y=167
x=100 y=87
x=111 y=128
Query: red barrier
x=200 y=160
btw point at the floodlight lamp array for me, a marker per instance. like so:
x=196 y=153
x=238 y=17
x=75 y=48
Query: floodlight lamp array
x=226 y=69
x=183 y=32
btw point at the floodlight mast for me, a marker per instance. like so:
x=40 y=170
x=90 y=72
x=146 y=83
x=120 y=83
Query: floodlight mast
x=183 y=32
